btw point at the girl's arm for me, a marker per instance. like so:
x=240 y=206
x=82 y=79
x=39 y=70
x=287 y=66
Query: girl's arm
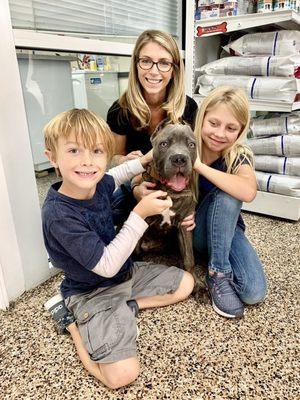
x=241 y=185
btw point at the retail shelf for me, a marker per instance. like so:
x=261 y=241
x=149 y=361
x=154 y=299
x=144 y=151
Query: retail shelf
x=260 y=105
x=286 y=19
x=276 y=205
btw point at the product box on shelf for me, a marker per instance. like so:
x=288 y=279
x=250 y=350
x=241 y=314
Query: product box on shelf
x=205 y=12
x=264 y=6
x=230 y=8
x=284 y=5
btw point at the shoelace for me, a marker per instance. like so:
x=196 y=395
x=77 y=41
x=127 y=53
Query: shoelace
x=223 y=285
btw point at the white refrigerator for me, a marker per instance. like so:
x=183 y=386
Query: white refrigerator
x=47 y=91
x=95 y=90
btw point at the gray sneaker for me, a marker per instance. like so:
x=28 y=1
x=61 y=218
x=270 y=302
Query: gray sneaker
x=62 y=316
x=224 y=299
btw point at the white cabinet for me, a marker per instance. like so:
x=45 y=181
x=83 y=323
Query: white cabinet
x=203 y=41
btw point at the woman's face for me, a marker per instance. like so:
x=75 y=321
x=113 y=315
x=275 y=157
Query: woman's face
x=153 y=81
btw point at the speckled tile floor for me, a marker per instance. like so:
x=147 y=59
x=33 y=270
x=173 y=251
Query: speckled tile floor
x=186 y=351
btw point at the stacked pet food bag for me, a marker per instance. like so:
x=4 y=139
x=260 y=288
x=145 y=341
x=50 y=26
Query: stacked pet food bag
x=267 y=66
x=275 y=142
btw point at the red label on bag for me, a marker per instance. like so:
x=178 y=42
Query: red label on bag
x=212 y=29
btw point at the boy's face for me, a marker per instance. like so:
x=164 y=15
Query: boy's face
x=81 y=168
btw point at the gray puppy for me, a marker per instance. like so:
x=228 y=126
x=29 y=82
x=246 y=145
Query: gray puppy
x=174 y=154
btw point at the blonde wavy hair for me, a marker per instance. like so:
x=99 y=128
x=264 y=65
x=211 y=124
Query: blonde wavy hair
x=87 y=127
x=132 y=100
x=236 y=100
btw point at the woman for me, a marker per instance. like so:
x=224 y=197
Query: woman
x=155 y=96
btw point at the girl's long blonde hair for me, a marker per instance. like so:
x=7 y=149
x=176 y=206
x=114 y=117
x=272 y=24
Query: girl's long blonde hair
x=132 y=100
x=234 y=98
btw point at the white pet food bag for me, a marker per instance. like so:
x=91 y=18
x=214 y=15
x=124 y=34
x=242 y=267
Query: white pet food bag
x=278 y=165
x=279 y=43
x=288 y=145
x=259 y=88
x=280 y=184
x=288 y=125
x=288 y=66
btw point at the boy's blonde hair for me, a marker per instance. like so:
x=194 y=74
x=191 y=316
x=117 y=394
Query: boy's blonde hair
x=235 y=99
x=86 y=126
x=133 y=101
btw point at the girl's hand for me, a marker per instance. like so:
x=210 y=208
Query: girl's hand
x=198 y=164
x=189 y=222
x=143 y=190
x=152 y=204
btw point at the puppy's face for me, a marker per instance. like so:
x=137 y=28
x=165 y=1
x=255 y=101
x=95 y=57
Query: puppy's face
x=174 y=154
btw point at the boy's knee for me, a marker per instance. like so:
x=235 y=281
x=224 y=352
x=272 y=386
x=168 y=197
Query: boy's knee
x=186 y=286
x=115 y=379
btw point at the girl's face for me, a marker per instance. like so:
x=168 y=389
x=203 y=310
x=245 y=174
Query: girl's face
x=220 y=129
x=153 y=81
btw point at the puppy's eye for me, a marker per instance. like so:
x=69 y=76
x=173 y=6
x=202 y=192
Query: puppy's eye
x=192 y=145
x=163 y=144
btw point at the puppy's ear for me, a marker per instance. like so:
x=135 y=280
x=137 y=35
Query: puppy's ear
x=161 y=126
x=187 y=129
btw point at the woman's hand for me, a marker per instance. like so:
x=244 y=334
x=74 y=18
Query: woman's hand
x=189 y=222
x=143 y=189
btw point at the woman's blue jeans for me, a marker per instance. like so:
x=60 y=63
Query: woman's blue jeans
x=219 y=239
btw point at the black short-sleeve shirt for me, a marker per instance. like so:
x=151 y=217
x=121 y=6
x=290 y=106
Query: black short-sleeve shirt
x=140 y=140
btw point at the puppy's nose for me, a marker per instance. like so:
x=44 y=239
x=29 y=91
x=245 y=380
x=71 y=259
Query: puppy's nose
x=178 y=160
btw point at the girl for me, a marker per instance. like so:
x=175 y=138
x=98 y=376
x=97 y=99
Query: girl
x=155 y=96
x=235 y=275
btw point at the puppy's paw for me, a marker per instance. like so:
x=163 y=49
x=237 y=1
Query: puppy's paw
x=200 y=292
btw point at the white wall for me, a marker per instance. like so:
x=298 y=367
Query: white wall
x=22 y=255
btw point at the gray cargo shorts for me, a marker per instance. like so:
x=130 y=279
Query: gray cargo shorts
x=105 y=322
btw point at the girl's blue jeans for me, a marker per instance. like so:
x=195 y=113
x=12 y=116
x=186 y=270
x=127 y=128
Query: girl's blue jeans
x=222 y=241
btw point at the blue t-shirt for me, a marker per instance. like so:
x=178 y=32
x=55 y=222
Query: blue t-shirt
x=205 y=186
x=75 y=234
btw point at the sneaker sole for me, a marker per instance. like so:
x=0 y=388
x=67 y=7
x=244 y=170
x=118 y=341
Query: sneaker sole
x=223 y=314
x=54 y=300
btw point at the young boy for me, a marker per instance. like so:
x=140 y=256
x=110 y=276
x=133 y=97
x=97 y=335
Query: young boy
x=102 y=287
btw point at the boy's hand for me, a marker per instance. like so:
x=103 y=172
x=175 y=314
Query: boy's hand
x=133 y=155
x=152 y=204
x=147 y=158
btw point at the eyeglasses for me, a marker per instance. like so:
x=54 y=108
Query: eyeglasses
x=162 y=66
